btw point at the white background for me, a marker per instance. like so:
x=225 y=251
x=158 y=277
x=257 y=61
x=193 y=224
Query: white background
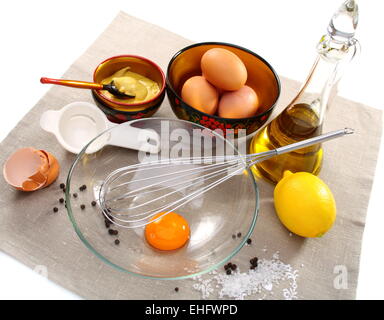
x=42 y=38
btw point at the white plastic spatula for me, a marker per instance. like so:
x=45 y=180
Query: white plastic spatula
x=76 y=124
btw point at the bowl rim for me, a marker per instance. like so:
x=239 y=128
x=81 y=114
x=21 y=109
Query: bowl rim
x=163 y=80
x=170 y=87
x=126 y=112
x=110 y=263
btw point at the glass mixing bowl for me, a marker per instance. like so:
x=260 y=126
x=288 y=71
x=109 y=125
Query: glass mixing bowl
x=221 y=219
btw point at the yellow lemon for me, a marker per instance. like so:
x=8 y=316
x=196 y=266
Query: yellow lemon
x=304 y=204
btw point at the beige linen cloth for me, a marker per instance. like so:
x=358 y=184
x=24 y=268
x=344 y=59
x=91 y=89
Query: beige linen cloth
x=34 y=235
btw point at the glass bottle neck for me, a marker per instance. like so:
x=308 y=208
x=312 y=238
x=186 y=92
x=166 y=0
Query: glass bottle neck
x=320 y=87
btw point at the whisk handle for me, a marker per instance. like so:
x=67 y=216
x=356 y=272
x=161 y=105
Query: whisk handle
x=311 y=141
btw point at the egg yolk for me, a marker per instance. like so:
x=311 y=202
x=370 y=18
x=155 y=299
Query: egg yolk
x=168 y=233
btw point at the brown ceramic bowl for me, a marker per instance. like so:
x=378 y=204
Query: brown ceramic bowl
x=261 y=77
x=118 y=111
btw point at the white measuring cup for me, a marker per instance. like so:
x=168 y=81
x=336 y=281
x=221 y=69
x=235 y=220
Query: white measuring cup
x=76 y=124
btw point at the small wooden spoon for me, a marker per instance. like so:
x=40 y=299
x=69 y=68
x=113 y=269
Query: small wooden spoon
x=88 y=85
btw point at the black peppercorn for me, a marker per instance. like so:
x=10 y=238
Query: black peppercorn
x=75 y=195
x=117 y=242
x=254 y=262
x=177 y=289
x=62 y=185
x=82 y=207
x=239 y=235
x=249 y=241
x=55 y=209
x=61 y=200
x=229 y=271
x=93 y=203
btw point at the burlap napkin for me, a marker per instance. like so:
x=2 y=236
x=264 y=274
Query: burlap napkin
x=34 y=235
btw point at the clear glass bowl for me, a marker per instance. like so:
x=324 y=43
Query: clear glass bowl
x=229 y=209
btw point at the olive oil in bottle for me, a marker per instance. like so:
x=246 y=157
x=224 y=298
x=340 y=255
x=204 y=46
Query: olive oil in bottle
x=304 y=116
x=295 y=123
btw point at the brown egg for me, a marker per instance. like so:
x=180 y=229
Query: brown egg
x=28 y=169
x=200 y=94
x=224 y=69
x=242 y=103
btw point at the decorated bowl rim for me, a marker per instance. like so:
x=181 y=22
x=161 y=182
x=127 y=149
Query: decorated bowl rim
x=260 y=115
x=116 y=111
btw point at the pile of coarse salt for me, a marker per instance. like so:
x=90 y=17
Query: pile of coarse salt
x=238 y=285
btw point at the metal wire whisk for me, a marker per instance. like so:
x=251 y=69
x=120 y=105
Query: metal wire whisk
x=131 y=196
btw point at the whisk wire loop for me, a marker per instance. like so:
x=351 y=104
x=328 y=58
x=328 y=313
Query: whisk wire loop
x=131 y=196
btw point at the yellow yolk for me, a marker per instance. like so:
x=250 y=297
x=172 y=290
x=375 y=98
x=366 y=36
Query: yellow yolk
x=168 y=233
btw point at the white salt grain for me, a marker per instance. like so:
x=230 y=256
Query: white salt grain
x=268 y=286
x=205 y=287
x=276 y=255
x=239 y=285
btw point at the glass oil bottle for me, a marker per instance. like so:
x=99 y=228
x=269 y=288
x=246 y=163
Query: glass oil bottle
x=304 y=116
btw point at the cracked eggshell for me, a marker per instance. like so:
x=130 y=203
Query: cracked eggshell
x=28 y=169
x=54 y=168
